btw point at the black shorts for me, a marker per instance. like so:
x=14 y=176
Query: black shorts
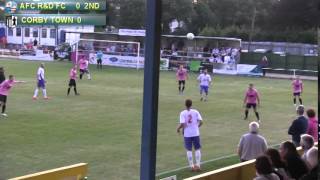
x=182 y=82
x=99 y=61
x=72 y=82
x=297 y=94
x=82 y=71
x=3 y=98
x=249 y=105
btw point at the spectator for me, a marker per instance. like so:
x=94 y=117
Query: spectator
x=296 y=167
x=251 y=145
x=298 y=126
x=313 y=124
x=306 y=143
x=264 y=64
x=35 y=43
x=264 y=169
x=312 y=159
x=2 y=76
x=278 y=165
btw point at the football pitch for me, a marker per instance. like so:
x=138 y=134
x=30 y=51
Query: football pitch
x=102 y=126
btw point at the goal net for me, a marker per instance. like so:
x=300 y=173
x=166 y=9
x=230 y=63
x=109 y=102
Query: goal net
x=114 y=53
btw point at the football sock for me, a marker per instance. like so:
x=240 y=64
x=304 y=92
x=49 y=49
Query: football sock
x=81 y=76
x=198 y=157
x=3 y=108
x=179 y=88
x=182 y=88
x=294 y=100
x=300 y=100
x=190 y=159
x=44 y=92
x=68 y=91
x=75 y=90
x=36 y=92
x=257 y=115
x=246 y=113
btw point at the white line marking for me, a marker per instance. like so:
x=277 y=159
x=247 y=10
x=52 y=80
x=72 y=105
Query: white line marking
x=202 y=163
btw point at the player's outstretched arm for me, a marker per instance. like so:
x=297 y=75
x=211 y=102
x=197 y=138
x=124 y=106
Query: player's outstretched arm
x=20 y=81
x=181 y=125
x=200 y=123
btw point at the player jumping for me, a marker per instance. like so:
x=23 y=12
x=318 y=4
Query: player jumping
x=297 y=87
x=72 y=82
x=205 y=81
x=190 y=121
x=84 y=67
x=181 y=76
x=250 y=100
x=5 y=87
x=41 y=83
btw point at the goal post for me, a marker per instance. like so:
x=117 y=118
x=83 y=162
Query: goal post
x=114 y=53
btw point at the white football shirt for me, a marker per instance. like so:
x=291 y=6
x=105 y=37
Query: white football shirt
x=40 y=73
x=190 y=119
x=204 y=79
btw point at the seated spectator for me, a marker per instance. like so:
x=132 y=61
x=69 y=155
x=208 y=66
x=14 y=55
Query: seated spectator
x=251 y=145
x=313 y=124
x=298 y=126
x=278 y=165
x=264 y=169
x=306 y=143
x=312 y=159
x=295 y=165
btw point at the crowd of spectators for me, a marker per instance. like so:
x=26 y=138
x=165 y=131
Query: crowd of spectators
x=284 y=163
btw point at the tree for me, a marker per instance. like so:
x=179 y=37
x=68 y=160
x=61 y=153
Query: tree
x=132 y=14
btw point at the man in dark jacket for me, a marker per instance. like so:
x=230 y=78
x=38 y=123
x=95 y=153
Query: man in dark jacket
x=2 y=76
x=298 y=126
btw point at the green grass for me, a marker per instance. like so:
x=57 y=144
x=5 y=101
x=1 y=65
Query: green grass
x=102 y=126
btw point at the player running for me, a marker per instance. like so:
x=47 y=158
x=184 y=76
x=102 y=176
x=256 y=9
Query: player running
x=99 y=59
x=250 y=100
x=190 y=121
x=297 y=87
x=84 y=67
x=5 y=87
x=205 y=81
x=41 y=83
x=181 y=76
x=72 y=82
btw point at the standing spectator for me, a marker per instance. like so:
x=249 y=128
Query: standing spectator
x=312 y=159
x=298 y=126
x=251 y=145
x=313 y=124
x=190 y=122
x=35 y=43
x=278 y=165
x=306 y=143
x=296 y=166
x=264 y=64
x=264 y=169
x=2 y=76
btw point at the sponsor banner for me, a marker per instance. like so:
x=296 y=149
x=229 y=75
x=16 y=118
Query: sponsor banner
x=242 y=69
x=164 y=64
x=38 y=56
x=119 y=61
x=132 y=32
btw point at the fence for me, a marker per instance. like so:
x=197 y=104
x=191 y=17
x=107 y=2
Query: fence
x=73 y=172
x=287 y=62
x=240 y=171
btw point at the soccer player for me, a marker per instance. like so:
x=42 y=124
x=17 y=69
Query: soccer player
x=99 y=59
x=190 y=121
x=205 y=81
x=181 y=76
x=251 y=99
x=41 y=83
x=84 y=67
x=72 y=82
x=297 y=87
x=5 y=87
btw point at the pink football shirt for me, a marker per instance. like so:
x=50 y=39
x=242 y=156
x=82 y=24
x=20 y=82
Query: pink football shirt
x=181 y=74
x=5 y=87
x=252 y=96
